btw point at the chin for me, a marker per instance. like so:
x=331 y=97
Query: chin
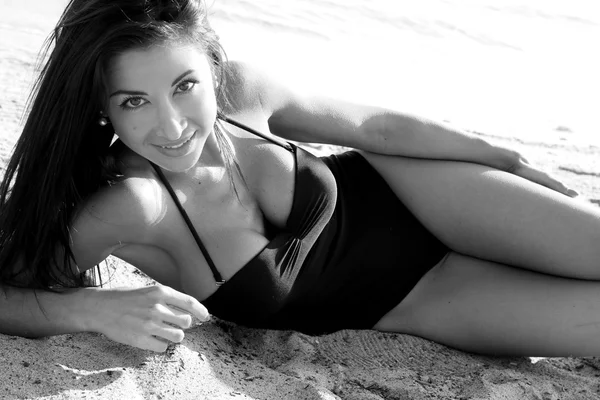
x=178 y=165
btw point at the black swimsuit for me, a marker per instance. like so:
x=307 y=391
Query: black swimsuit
x=349 y=253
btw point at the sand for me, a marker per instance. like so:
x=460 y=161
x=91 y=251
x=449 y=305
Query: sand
x=219 y=360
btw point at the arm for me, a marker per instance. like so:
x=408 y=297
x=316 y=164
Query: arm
x=20 y=313
x=148 y=317
x=131 y=316
x=385 y=131
x=316 y=119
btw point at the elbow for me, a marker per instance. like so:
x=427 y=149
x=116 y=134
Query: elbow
x=382 y=133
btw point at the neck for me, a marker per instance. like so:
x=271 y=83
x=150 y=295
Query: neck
x=210 y=169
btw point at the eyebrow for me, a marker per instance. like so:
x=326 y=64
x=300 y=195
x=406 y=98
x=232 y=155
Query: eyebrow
x=138 y=93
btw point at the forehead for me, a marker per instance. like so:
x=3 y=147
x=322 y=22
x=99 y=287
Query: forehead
x=139 y=67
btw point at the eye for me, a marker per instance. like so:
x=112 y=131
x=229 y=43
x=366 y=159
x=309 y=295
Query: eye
x=186 y=86
x=131 y=103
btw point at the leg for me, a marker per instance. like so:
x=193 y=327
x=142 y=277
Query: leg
x=485 y=307
x=497 y=216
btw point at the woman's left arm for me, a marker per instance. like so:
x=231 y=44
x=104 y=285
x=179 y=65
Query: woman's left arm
x=316 y=119
x=387 y=132
x=395 y=133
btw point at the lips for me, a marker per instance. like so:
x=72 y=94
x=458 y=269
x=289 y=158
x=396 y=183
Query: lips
x=176 y=145
x=177 y=149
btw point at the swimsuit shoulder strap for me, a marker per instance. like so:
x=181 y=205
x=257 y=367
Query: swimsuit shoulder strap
x=271 y=139
x=217 y=275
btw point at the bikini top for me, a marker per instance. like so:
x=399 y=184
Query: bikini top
x=275 y=276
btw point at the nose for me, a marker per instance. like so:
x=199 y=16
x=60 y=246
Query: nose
x=171 y=123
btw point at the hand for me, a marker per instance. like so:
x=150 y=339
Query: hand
x=149 y=318
x=525 y=170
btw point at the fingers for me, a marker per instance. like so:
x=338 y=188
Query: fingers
x=164 y=326
x=554 y=184
x=528 y=171
x=150 y=317
x=175 y=316
x=171 y=313
x=169 y=333
x=545 y=179
x=153 y=336
x=184 y=302
x=152 y=343
x=560 y=187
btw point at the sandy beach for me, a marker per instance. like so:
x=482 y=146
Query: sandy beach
x=219 y=360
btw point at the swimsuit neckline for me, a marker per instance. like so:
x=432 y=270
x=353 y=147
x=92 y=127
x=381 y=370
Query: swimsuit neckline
x=219 y=280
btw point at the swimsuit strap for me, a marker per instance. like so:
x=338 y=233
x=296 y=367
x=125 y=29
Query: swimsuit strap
x=271 y=139
x=217 y=275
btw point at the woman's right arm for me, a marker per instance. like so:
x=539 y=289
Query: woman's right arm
x=21 y=312
x=148 y=317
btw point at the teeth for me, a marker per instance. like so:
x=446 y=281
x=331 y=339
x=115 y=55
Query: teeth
x=175 y=147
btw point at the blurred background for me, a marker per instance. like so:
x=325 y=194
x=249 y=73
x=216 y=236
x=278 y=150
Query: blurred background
x=526 y=69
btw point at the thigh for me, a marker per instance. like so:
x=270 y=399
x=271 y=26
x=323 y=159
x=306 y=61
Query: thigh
x=494 y=215
x=489 y=308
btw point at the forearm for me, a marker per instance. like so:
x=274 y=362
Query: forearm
x=410 y=136
x=29 y=313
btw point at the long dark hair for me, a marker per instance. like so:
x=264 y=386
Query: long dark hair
x=62 y=155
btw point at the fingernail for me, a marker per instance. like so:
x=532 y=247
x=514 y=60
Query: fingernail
x=572 y=193
x=197 y=321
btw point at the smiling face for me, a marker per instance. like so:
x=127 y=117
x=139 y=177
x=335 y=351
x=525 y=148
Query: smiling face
x=162 y=103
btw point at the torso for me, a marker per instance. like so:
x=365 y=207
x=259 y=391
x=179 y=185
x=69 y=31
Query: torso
x=232 y=230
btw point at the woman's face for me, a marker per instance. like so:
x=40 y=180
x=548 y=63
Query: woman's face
x=162 y=103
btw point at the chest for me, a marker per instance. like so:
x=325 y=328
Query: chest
x=252 y=192
x=233 y=215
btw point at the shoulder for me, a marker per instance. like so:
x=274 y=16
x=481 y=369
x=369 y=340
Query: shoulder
x=135 y=200
x=116 y=215
x=268 y=171
x=251 y=89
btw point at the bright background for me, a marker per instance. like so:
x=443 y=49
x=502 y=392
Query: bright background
x=526 y=69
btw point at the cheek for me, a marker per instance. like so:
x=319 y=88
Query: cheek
x=203 y=111
x=131 y=127
x=209 y=108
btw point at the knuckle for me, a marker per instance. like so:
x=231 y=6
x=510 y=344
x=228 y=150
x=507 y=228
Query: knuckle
x=190 y=301
x=161 y=290
x=148 y=325
x=157 y=291
x=155 y=309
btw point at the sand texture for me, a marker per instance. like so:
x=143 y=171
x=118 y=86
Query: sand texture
x=222 y=361
x=219 y=360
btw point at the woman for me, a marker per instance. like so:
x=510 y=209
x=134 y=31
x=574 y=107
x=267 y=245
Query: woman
x=448 y=242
